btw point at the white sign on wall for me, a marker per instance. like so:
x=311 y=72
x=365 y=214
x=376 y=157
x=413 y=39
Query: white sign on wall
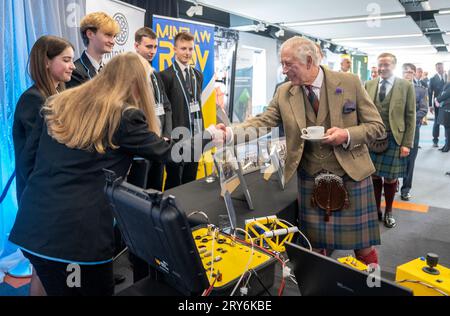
x=129 y=18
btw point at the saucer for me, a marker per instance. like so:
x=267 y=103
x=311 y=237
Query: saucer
x=306 y=137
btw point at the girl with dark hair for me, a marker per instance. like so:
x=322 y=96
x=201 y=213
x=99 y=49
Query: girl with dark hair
x=50 y=65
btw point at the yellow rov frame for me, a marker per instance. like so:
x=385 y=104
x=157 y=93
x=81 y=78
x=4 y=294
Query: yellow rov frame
x=271 y=230
x=354 y=263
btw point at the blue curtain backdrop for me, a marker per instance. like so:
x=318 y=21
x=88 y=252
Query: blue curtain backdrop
x=22 y=22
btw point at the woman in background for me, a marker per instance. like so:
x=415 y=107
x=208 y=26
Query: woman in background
x=51 y=65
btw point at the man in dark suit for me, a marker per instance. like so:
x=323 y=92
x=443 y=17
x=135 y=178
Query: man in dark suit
x=421 y=111
x=419 y=79
x=99 y=32
x=425 y=79
x=183 y=86
x=146 y=45
x=434 y=91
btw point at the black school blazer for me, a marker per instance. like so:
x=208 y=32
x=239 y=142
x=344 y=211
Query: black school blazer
x=27 y=127
x=64 y=213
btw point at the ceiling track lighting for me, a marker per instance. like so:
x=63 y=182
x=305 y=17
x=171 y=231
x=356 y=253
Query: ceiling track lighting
x=196 y=9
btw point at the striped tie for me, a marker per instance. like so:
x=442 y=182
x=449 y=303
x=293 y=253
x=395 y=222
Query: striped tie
x=382 y=94
x=313 y=99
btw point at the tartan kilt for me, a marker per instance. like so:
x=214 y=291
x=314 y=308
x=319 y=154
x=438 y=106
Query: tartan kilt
x=389 y=164
x=350 y=229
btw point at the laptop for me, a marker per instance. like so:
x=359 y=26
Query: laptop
x=321 y=276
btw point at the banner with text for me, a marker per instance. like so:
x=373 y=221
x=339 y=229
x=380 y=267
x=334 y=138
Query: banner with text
x=203 y=58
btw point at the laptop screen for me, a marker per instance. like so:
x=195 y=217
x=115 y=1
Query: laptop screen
x=321 y=276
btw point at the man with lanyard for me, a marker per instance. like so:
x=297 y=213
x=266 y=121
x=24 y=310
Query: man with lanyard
x=183 y=86
x=98 y=31
x=146 y=45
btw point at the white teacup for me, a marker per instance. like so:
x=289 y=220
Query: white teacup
x=314 y=132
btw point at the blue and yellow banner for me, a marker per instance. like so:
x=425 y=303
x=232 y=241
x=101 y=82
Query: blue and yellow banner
x=203 y=59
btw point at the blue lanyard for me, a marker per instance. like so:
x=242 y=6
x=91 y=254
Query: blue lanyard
x=185 y=95
x=182 y=86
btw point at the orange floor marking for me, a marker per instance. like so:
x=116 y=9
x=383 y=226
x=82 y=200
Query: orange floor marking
x=407 y=206
x=16 y=282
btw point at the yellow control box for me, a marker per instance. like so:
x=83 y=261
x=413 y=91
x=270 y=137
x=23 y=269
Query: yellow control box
x=354 y=263
x=412 y=276
x=229 y=258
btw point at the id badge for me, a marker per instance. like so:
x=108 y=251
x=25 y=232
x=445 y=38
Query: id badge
x=159 y=110
x=195 y=107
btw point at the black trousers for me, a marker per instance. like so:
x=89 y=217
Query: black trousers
x=96 y=280
x=180 y=173
x=447 y=136
x=436 y=125
x=407 y=181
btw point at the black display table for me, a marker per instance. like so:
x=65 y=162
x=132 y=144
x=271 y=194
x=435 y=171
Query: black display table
x=268 y=199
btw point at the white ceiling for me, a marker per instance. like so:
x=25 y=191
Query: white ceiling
x=443 y=21
x=283 y=11
x=387 y=42
x=446 y=38
x=400 y=26
x=415 y=51
x=439 y=4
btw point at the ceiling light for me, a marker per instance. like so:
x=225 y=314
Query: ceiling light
x=400 y=47
x=260 y=27
x=375 y=37
x=345 y=20
x=194 y=10
x=280 y=33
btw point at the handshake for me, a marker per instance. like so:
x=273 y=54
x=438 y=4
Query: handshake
x=220 y=134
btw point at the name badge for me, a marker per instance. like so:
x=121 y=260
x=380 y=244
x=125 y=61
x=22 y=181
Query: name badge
x=195 y=107
x=159 y=109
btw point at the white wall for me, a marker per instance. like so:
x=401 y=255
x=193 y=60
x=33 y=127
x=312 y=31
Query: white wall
x=272 y=62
